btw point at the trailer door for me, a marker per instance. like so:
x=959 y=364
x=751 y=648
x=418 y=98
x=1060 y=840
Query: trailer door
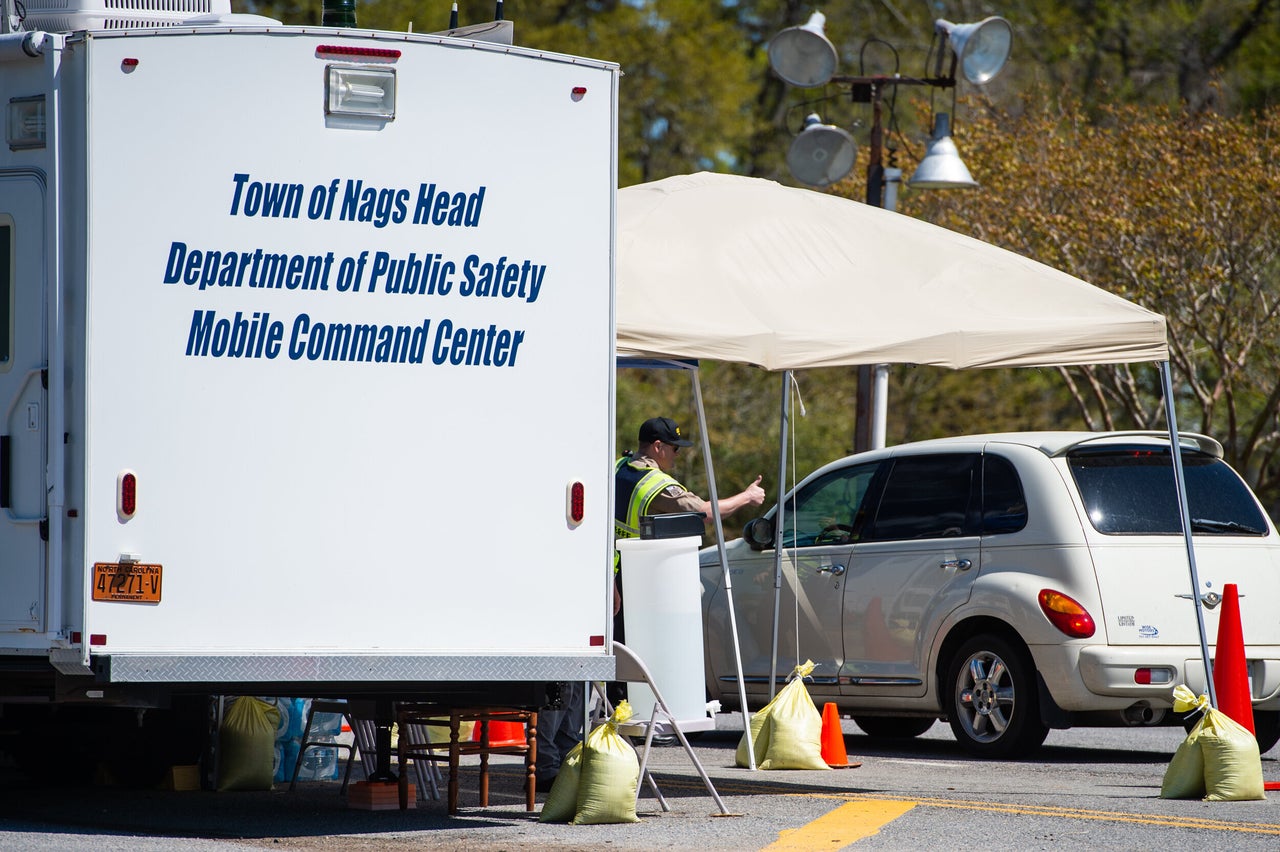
x=22 y=403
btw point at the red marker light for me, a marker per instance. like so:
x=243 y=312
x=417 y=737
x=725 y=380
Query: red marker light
x=1147 y=676
x=129 y=63
x=126 y=495
x=577 y=93
x=363 y=52
x=577 y=502
x=97 y=638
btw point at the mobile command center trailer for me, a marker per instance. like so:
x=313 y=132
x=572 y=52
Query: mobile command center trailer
x=306 y=368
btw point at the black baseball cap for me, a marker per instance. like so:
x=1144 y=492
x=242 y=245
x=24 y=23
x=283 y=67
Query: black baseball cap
x=662 y=429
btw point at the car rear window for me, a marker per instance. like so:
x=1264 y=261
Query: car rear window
x=1130 y=491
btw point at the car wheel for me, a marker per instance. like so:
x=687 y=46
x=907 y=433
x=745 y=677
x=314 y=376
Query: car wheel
x=893 y=727
x=1266 y=727
x=991 y=700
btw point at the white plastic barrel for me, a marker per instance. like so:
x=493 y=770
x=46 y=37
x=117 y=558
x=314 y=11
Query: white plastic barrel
x=662 y=606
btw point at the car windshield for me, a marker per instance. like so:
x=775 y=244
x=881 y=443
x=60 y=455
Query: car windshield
x=1130 y=491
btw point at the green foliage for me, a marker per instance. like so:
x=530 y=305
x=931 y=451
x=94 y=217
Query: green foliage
x=1172 y=211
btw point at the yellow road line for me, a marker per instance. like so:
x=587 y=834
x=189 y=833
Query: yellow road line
x=1167 y=821
x=846 y=824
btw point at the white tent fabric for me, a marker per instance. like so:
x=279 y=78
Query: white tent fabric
x=731 y=268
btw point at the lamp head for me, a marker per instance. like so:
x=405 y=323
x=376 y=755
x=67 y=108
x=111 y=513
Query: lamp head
x=942 y=167
x=982 y=49
x=802 y=56
x=822 y=153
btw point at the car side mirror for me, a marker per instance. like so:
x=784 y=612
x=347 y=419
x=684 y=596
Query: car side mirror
x=759 y=533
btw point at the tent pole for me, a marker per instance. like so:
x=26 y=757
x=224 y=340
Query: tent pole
x=779 y=521
x=724 y=559
x=1184 y=512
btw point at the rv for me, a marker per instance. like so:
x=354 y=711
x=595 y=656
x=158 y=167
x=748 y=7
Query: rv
x=306 y=369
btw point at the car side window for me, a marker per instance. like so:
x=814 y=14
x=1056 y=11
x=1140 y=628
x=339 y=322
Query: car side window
x=928 y=497
x=1004 y=506
x=827 y=510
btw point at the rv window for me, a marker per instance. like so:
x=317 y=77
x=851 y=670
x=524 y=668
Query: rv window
x=6 y=293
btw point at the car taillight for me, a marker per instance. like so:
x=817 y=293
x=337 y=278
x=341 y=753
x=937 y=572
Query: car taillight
x=1066 y=614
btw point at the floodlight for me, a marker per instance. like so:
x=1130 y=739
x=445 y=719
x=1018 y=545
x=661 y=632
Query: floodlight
x=942 y=167
x=982 y=48
x=803 y=56
x=822 y=153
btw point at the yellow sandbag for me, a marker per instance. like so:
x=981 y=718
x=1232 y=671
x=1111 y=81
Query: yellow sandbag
x=246 y=745
x=440 y=733
x=562 y=801
x=1218 y=760
x=1232 y=765
x=1184 y=779
x=609 y=774
x=787 y=732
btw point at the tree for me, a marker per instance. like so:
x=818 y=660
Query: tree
x=1174 y=212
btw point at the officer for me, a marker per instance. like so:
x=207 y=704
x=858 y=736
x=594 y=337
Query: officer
x=643 y=486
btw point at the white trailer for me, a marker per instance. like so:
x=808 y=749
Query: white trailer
x=306 y=364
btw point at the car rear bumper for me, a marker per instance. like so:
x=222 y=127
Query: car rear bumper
x=1105 y=677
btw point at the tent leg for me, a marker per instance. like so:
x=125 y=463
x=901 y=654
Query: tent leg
x=1184 y=512
x=724 y=562
x=779 y=521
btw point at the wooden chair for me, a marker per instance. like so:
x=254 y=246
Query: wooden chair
x=415 y=749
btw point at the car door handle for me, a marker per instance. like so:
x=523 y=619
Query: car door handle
x=957 y=564
x=833 y=570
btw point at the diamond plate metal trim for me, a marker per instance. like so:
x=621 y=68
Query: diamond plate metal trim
x=126 y=668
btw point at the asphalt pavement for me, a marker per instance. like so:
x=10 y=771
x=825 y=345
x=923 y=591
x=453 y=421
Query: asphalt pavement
x=1086 y=789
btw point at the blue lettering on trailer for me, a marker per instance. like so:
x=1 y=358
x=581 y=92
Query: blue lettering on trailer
x=379 y=206
x=437 y=207
x=260 y=337
x=257 y=335
x=212 y=268
x=355 y=202
x=269 y=200
x=501 y=279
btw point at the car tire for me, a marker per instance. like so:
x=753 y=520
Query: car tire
x=893 y=727
x=991 y=699
x=1266 y=727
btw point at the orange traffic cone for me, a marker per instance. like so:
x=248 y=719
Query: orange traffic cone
x=833 y=753
x=501 y=734
x=1230 y=671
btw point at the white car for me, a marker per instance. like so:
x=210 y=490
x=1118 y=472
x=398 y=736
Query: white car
x=1010 y=583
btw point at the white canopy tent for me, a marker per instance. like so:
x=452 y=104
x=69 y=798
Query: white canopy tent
x=730 y=268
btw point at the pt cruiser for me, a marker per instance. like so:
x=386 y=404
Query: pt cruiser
x=1009 y=583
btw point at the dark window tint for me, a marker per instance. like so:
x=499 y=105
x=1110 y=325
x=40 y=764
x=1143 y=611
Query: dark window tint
x=1004 y=508
x=826 y=510
x=928 y=497
x=6 y=295
x=1130 y=491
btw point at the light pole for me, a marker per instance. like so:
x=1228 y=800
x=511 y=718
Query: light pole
x=823 y=154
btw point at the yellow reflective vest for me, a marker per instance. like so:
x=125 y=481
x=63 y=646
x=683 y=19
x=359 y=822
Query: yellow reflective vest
x=634 y=490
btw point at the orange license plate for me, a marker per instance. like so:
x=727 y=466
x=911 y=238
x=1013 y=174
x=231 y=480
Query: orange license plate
x=127 y=581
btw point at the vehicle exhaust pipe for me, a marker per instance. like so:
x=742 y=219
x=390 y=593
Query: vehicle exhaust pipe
x=1142 y=713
